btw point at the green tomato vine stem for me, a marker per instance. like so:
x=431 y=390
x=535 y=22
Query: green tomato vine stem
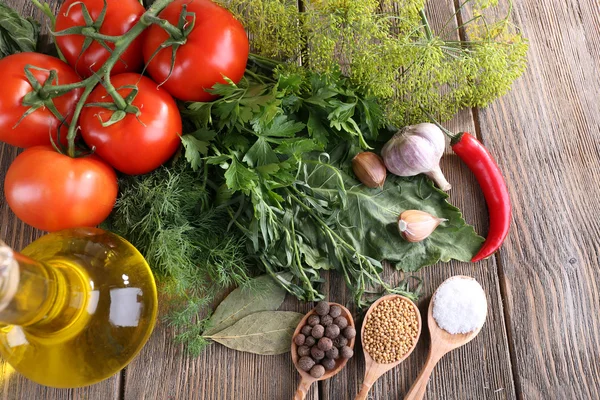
x=121 y=44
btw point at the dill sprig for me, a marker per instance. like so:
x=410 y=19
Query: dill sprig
x=388 y=49
x=168 y=215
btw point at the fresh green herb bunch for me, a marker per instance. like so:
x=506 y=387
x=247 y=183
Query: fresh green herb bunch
x=168 y=216
x=388 y=49
x=278 y=147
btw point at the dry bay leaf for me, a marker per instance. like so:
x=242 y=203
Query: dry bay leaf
x=264 y=332
x=262 y=294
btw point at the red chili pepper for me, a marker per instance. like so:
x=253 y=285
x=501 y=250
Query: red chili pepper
x=482 y=164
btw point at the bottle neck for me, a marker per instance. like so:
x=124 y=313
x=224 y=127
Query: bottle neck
x=35 y=295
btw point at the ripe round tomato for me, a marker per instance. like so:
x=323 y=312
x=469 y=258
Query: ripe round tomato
x=35 y=129
x=134 y=145
x=216 y=47
x=120 y=17
x=51 y=191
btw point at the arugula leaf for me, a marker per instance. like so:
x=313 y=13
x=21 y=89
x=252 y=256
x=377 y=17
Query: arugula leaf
x=17 y=34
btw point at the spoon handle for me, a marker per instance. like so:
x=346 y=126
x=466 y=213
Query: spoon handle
x=417 y=390
x=303 y=388
x=372 y=373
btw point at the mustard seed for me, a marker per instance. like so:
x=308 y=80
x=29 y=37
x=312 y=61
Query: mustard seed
x=341 y=321
x=391 y=330
x=313 y=320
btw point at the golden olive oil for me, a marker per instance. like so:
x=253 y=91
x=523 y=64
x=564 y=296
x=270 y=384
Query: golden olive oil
x=79 y=308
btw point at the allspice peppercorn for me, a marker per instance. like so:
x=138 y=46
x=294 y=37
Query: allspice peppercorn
x=332 y=353
x=316 y=353
x=320 y=341
x=304 y=351
x=318 y=331
x=322 y=308
x=317 y=371
x=299 y=339
x=335 y=311
x=340 y=321
x=325 y=343
x=326 y=320
x=332 y=331
x=306 y=330
x=349 y=332
x=340 y=341
x=328 y=363
x=306 y=363
x=313 y=320
x=346 y=352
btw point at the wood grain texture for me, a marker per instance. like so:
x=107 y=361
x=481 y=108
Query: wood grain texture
x=18 y=235
x=546 y=136
x=480 y=370
x=543 y=288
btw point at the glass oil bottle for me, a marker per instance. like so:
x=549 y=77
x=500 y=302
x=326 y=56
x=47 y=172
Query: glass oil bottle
x=76 y=306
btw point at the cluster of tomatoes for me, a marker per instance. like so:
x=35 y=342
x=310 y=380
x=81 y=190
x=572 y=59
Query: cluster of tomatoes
x=52 y=191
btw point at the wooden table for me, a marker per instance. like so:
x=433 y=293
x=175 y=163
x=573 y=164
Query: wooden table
x=542 y=336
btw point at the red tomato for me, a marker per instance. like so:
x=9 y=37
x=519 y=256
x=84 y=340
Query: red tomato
x=216 y=47
x=51 y=191
x=35 y=129
x=120 y=17
x=134 y=145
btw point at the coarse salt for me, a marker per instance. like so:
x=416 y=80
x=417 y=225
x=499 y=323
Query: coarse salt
x=459 y=305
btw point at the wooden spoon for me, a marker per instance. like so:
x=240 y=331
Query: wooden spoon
x=373 y=370
x=307 y=380
x=442 y=342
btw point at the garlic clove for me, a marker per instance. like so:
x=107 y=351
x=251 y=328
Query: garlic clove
x=369 y=169
x=416 y=225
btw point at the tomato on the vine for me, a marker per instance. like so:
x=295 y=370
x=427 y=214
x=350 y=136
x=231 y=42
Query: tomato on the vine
x=137 y=144
x=51 y=191
x=35 y=128
x=216 y=47
x=120 y=17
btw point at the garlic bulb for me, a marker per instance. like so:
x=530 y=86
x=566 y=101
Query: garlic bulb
x=417 y=149
x=415 y=225
x=369 y=169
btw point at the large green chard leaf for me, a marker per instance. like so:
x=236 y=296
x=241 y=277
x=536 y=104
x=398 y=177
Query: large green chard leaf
x=369 y=219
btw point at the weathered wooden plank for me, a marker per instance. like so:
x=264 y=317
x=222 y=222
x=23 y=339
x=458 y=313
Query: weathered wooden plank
x=481 y=369
x=19 y=235
x=164 y=371
x=546 y=137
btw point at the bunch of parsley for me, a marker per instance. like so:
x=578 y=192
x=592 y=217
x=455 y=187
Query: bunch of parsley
x=277 y=147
